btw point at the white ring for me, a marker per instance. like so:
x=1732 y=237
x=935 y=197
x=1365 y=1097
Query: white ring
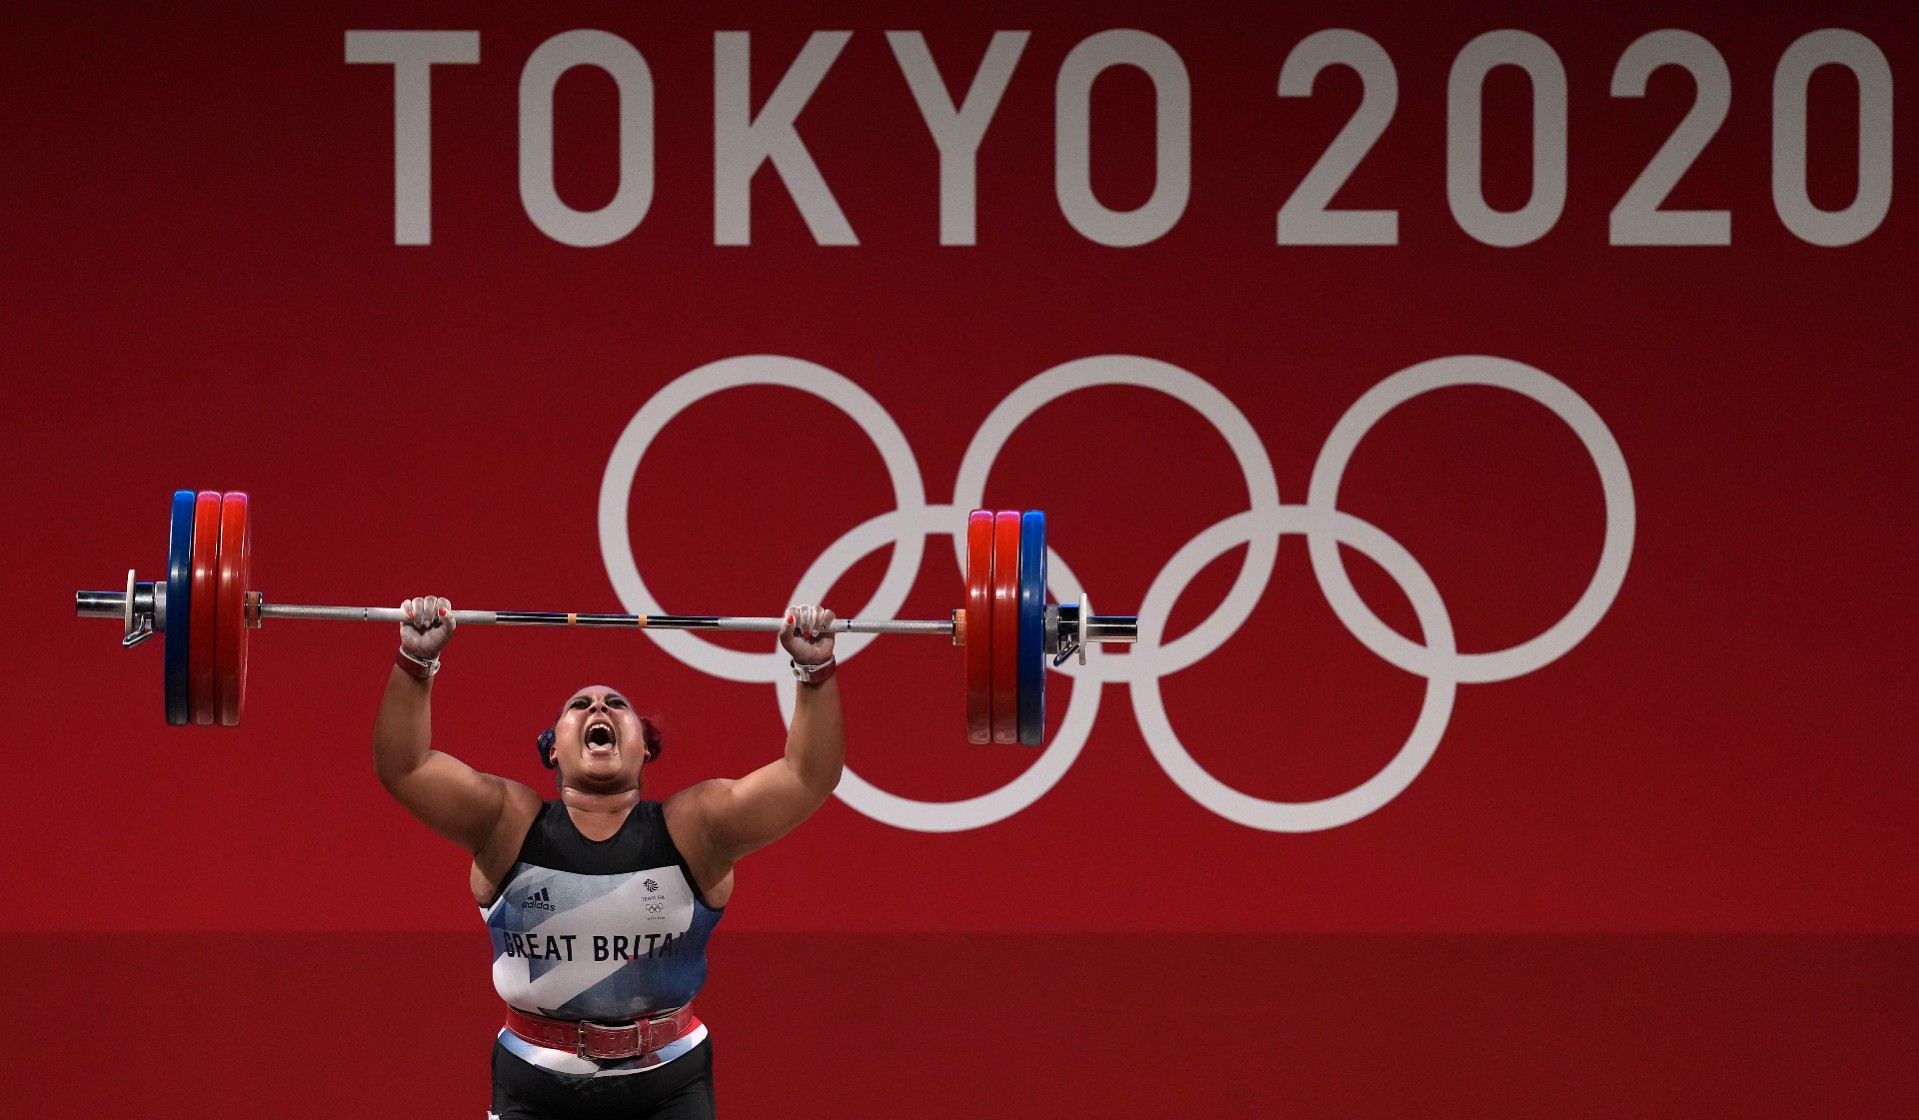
x=1262 y=490
x=1295 y=816
x=1616 y=482
x=616 y=488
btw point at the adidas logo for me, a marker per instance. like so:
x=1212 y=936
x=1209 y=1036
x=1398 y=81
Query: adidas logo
x=538 y=901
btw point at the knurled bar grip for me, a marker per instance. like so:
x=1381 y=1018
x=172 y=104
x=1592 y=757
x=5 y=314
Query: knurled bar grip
x=615 y=621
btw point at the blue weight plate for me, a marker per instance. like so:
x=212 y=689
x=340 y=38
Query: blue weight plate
x=179 y=609
x=1032 y=627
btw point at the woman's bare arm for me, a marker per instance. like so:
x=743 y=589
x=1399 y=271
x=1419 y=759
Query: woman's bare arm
x=448 y=796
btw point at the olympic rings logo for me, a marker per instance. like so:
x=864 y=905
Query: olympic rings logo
x=1258 y=527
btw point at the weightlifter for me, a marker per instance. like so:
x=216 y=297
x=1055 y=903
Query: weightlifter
x=599 y=901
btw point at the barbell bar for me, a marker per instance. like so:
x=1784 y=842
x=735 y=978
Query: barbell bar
x=205 y=606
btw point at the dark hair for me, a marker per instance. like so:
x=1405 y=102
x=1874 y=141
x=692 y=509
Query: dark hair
x=649 y=735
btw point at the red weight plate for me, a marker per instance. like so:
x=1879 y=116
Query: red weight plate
x=230 y=623
x=200 y=638
x=979 y=628
x=1006 y=626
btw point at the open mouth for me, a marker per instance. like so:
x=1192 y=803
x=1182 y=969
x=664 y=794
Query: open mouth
x=600 y=738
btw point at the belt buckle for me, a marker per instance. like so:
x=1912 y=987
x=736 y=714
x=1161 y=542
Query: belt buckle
x=585 y=1048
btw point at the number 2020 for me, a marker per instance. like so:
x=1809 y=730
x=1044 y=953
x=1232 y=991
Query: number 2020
x=1638 y=218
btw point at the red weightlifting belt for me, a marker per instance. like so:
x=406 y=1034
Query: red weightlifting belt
x=602 y=1041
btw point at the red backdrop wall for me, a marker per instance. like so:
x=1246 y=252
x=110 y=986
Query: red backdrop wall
x=1642 y=845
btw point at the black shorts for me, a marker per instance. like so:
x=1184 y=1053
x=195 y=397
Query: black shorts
x=682 y=1089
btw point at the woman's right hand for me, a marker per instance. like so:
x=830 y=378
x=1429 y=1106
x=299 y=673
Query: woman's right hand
x=428 y=627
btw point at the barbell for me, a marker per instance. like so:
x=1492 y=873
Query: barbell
x=205 y=607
